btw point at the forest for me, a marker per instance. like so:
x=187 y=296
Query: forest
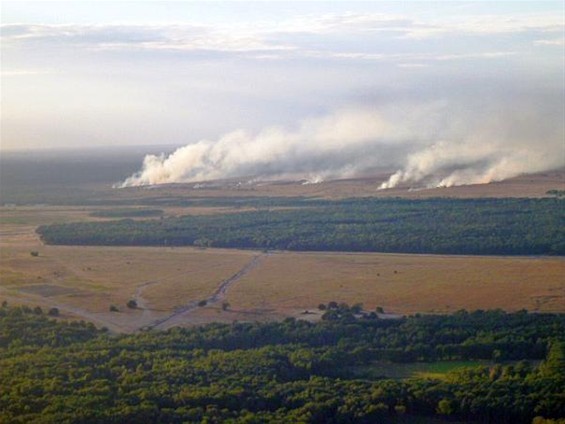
x=53 y=371
x=438 y=226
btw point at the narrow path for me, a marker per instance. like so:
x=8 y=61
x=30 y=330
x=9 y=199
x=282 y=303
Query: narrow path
x=147 y=319
x=146 y=314
x=218 y=295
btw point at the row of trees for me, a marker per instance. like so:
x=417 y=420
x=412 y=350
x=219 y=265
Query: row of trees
x=290 y=371
x=450 y=226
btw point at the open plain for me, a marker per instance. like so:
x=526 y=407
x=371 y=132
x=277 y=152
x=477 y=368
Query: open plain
x=168 y=283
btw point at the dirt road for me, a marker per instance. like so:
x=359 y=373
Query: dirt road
x=181 y=315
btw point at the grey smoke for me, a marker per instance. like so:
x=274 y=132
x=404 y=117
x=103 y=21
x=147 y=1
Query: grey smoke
x=428 y=144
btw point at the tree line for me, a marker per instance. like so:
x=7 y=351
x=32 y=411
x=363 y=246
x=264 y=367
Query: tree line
x=440 y=226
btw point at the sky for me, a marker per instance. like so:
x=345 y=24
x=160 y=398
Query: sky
x=394 y=80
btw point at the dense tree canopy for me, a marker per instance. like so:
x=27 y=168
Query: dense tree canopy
x=290 y=371
x=450 y=226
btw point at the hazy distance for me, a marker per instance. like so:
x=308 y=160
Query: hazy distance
x=441 y=93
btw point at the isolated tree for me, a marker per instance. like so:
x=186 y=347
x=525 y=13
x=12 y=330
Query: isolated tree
x=225 y=306
x=322 y=307
x=132 y=304
x=372 y=315
x=445 y=407
x=114 y=308
x=357 y=308
x=34 y=253
x=54 y=312
x=202 y=303
x=379 y=310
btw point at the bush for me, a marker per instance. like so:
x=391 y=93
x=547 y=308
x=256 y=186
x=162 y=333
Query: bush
x=132 y=304
x=54 y=312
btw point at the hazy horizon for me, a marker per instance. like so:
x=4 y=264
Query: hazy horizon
x=473 y=91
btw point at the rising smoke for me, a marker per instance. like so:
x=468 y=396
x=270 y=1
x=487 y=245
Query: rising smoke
x=429 y=145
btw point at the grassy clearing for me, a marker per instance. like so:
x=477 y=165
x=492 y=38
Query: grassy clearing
x=431 y=370
x=436 y=370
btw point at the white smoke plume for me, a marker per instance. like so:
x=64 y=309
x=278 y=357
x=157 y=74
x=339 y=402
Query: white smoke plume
x=432 y=144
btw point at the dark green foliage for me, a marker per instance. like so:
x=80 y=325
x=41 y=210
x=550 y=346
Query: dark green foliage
x=450 y=226
x=21 y=328
x=557 y=193
x=290 y=371
x=554 y=365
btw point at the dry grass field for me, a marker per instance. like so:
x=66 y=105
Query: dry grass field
x=84 y=281
x=290 y=282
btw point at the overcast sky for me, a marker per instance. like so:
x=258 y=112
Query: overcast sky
x=132 y=73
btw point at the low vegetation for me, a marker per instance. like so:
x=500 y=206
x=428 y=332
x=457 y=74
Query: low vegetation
x=127 y=213
x=556 y=193
x=290 y=371
x=440 y=226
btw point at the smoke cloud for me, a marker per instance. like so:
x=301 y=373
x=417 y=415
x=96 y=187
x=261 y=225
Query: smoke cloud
x=429 y=145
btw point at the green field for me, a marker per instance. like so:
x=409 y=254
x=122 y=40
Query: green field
x=379 y=370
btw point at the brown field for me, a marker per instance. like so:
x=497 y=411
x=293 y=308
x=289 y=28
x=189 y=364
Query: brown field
x=84 y=281
x=535 y=185
x=402 y=284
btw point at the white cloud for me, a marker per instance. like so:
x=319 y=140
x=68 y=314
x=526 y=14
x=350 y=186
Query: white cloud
x=278 y=36
x=558 y=42
x=178 y=82
x=414 y=28
x=23 y=72
x=413 y=65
